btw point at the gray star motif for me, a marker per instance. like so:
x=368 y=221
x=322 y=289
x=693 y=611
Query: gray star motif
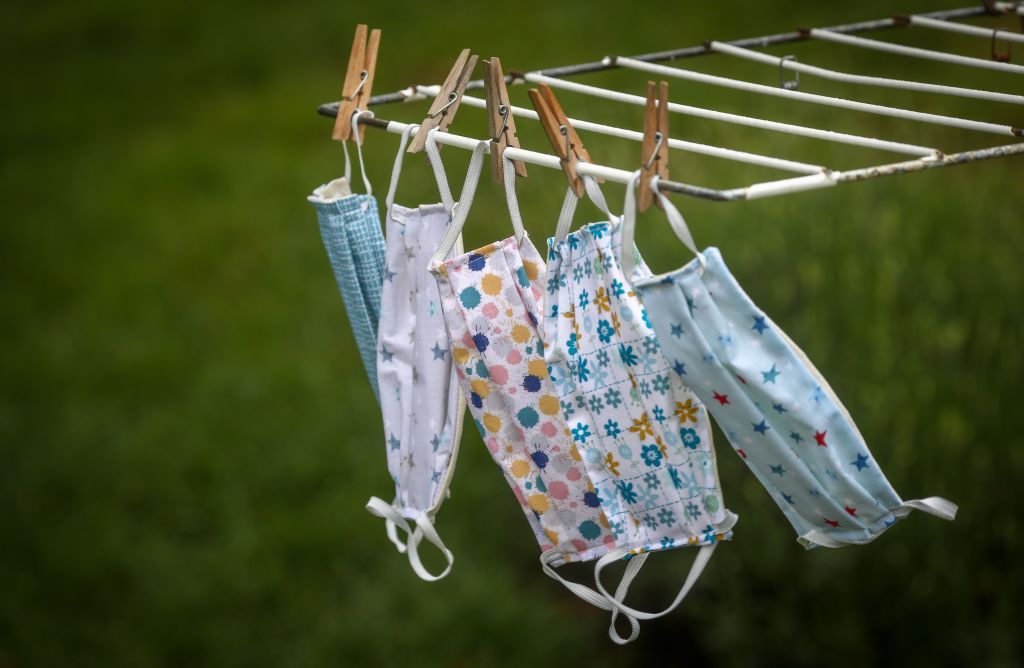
x=439 y=352
x=394 y=442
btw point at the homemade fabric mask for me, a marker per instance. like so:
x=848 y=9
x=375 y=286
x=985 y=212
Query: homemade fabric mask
x=644 y=436
x=350 y=227
x=420 y=398
x=779 y=413
x=492 y=300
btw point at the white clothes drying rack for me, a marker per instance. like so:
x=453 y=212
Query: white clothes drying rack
x=810 y=177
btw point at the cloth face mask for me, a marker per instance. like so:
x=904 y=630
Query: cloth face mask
x=421 y=402
x=644 y=436
x=350 y=227
x=492 y=304
x=779 y=413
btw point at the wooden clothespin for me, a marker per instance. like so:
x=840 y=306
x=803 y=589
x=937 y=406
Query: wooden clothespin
x=655 y=146
x=358 y=82
x=564 y=140
x=442 y=111
x=500 y=121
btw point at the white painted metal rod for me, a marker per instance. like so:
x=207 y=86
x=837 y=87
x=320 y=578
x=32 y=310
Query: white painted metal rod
x=845 y=77
x=841 y=103
x=611 y=131
x=827 y=135
x=926 y=54
x=965 y=29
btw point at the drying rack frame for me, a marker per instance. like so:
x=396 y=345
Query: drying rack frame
x=821 y=179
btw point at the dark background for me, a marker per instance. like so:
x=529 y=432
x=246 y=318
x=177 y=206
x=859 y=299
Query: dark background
x=187 y=437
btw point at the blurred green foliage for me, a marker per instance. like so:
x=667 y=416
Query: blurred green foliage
x=187 y=438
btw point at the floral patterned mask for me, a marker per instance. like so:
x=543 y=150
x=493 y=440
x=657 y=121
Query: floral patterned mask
x=645 y=438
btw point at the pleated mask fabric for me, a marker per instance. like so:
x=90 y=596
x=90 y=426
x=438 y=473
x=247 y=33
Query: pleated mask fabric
x=645 y=438
x=421 y=403
x=779 y=413
x=351 y=232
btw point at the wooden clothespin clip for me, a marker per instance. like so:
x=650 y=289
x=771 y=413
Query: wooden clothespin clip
x=442 y=111
x=500 y=121
x=358 y=82
x=564 y=140
x=655 y=146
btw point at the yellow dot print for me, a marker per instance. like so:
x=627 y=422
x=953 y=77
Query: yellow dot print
x=461 y=355
x=531 y=270
x=538 y=368
x=481 y=387
x=548 y=404
x=552 y=536
x=492 y=422
x=538 y=503
x=520 y=468
x=520 y=333
x=491 y=284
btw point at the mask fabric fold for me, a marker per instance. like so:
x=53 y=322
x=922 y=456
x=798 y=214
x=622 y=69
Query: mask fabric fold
x=778 y=412
x=644 y=437
x=421 y=403
x=351 y=232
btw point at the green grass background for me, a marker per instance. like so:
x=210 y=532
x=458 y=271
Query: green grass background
x=187 y=437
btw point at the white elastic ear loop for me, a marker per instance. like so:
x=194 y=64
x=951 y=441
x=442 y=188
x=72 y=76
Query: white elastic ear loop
x=396 y=170
x=512 y=199
x=597 y=197
x=629 y=227
x=348 y=163
x=357 y=135
x=424 y=529
x=566 y=214
x=476 y=163
x=434 y=155
x=703 y=555
x=595 y=599
x=392 y=520
x=677 y=222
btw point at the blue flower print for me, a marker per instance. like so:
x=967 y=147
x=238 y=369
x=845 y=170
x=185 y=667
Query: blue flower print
x=608 y=261
x=602 y=357
x=660 y=384
x=609 y=500
x=627 y=355
x=625 y=451
x=554 y=311
x=626 y=491
x=618 y=528
x=598 y=230
x=651 y=523
x=667 y=543
x=577 y=273
x=666 y=516
x=674 y=474
x=651 y=343
x=690 y=438
x=658 y=412
x=584 y=299
x=613 y=398
x=611 y=428
x=581 y=402
x=692 y=511
x=652 y=480
x=600 y=377
x=649 y=497
x=574 y=241
x=647 y=321
x=567 y=409
x=555 y=282
x=595 y=404
x=645 y=389
x=651 y=455
x=581 y=432
x=586 y=268
x=617 y=288
x=605 y=331
x=709 y=534
x=571 y=345
x=582 y=372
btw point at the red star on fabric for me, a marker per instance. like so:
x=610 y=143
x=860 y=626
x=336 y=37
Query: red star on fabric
x=831 y=523
x=742 y=454
x=852 y=511
x=819 y=436
x=721 y=398
x=742 y=379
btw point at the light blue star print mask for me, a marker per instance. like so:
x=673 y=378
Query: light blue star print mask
x=421 y=401
x=350 y=227
x=779 y=413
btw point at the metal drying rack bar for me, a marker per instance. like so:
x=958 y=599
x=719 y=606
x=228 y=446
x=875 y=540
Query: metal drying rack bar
x=811 y=176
